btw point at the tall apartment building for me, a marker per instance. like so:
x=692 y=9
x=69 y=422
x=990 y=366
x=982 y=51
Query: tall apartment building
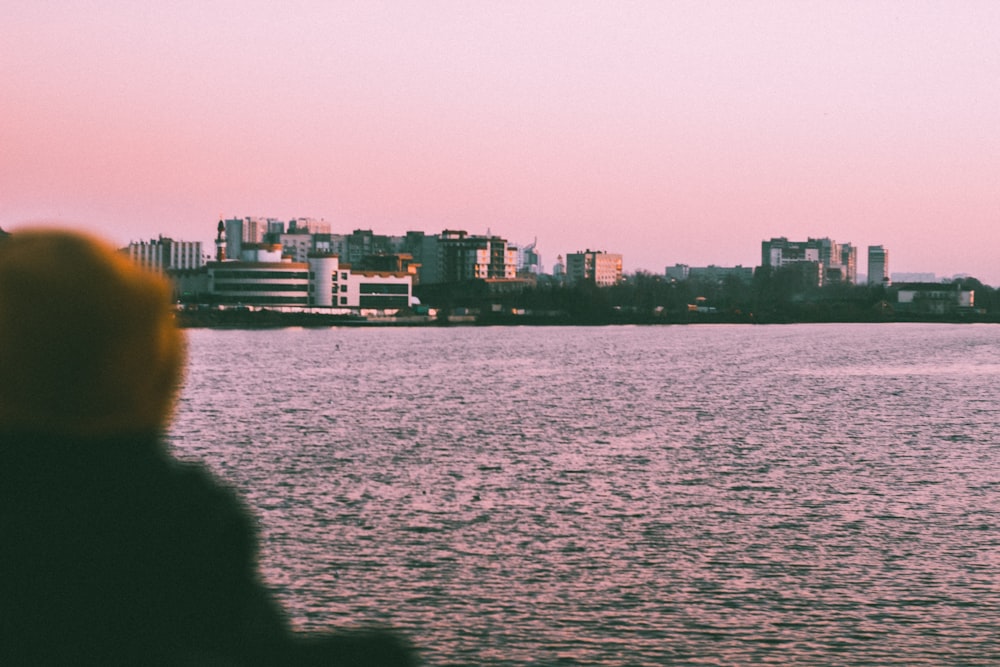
x=849 y=263
x=362 y=243
x=308 y=225
x=878 y=266
x=165 y=254
x=233 y=235
x=839 y=260
x=599 y=267
x=255 y=229
x=834 y=262
x=296 y=244
x=456 y=256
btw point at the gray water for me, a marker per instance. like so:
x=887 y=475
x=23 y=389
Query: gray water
x=717 y=495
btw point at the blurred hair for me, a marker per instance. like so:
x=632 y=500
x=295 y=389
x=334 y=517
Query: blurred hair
x=88 y=343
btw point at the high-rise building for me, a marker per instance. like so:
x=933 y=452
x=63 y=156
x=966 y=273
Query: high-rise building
x=595 y=266
x=780 y=251
x=849 y=262
x=362 y=243
x=835 y=262
x=254 y=229
x=878 y=266
x=296 y=244
x=559 y=270
x=456 y=256
x=234 y=237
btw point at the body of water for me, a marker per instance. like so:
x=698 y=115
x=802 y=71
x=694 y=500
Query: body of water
x=689 y=495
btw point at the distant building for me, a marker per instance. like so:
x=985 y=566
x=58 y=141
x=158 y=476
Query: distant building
x=165 y=255
x=254 y=229
x=296 y=244
x=401 y=262
x=275 y=227
x=878 y=266
x=528 y=259
x=849 y=263
x=233 y=235
x=298 y=276
x=933 y=298
x=779 y=251
x=363 y=243
x=456 y=256
x=259 y=283
x=308 y=226
x=266 y=277
x=677 y=272
x=559 y=270
x=595 y=266
x=250 y=229
x=835 y=262
x=914 y=277
x=710 y=273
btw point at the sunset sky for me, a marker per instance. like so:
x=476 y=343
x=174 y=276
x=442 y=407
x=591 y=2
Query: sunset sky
x=667 y=131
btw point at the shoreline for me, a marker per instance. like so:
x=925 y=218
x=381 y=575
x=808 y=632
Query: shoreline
x=270 y=319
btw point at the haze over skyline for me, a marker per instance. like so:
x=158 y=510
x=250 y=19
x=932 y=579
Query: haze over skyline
x=669 y=132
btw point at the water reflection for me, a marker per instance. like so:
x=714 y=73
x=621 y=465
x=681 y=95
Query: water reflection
x=686 y=495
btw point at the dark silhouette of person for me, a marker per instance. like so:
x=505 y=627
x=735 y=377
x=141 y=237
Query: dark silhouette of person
x=111 y=551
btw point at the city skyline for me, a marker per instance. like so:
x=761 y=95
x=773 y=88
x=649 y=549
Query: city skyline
x=316 y=228
x=668 y=132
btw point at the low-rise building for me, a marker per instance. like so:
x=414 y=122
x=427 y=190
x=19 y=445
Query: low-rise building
x=265 y=276
x=677 y=272
x=933 y=298
x=710 y=273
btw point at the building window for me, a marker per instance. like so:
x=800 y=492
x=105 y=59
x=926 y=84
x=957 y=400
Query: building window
x=380 y=301
x=385 y=288
x=343 y=301
x=259 y=287
x=264 y=275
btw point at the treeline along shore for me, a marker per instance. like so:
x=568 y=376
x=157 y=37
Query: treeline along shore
x=769 y=298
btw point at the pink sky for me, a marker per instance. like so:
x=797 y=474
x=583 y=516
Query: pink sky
x=667 y=131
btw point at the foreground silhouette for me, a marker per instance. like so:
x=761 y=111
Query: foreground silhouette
x=111 y=551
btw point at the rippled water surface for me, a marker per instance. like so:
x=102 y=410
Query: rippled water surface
x=722 y=495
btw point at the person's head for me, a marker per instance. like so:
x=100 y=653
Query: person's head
x=88 y=344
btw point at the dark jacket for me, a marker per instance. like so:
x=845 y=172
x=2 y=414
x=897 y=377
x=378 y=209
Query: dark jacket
x=113 y=553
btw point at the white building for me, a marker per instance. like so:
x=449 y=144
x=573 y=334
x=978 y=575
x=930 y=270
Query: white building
x=252 y=282
x=378 y=290
x=937 y=299
x=165 y=254
x=266 y=276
